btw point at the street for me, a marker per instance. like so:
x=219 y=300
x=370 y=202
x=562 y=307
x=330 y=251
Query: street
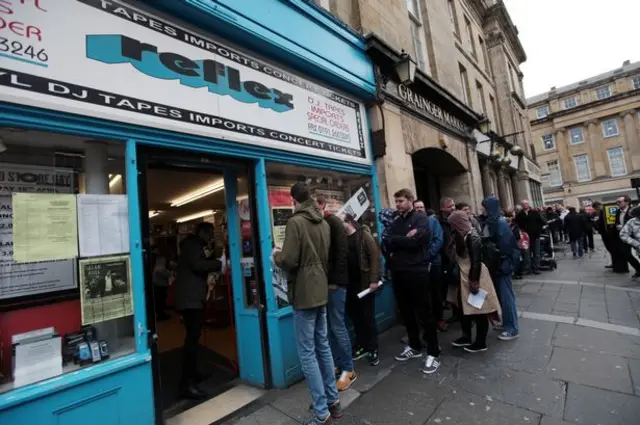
x=577 y=361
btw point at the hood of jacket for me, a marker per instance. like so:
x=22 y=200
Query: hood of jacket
x=310 y=210
x=492 y=205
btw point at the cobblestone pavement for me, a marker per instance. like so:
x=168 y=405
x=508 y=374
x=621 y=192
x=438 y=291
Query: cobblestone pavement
x=577 y=361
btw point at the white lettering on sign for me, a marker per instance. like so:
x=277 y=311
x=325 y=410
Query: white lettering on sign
x=428 y=107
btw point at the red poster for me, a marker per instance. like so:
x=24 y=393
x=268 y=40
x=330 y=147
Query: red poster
x=280 y=196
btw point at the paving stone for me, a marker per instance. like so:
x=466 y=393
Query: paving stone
x=593 y=406
x=400 y=399
x=294 y=401
x=634 y=369
x=597 y=370
x=542 y=304
x=265 y=415
x=531 y=288
x=539 y=393
x=550 y=288
x=548 y=420
x=566 y=307
x=592 y=293
x=462 y=408
x=596 y=341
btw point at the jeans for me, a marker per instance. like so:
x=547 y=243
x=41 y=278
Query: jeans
x=413 y=296
x=192 y=320
x=577 y=246
x=362 y=312
x=315 y=357
x=534 y=250
x=508 y=303
x=338 y=335
x=482 y=327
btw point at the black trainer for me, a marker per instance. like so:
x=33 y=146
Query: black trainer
x=476 y=348
x=374 y=359
x=359 y=353
x=463 y=341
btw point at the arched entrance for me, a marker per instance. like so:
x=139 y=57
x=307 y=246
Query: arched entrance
x=437 y=174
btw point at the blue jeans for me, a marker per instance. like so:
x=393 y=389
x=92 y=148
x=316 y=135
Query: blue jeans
x=315 y=357
x=338 y=333
x=534 y=250
x=508 y=303
x=577 y=247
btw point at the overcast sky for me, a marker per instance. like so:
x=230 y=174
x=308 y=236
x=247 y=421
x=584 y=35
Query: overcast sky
x=569 y=40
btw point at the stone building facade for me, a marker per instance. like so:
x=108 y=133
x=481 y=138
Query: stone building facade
x=587 y=136
x=459 y=128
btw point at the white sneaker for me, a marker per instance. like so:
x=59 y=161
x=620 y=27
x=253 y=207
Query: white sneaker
x=431 y=365
x=506 y=336
x=407 y=354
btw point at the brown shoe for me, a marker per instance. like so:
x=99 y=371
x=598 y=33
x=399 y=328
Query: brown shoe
x=345 y=380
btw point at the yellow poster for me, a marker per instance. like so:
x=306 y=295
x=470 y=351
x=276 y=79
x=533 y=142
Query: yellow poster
x=610 y=211
x=45 y=227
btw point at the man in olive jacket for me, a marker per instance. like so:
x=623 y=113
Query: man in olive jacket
x=305 y=258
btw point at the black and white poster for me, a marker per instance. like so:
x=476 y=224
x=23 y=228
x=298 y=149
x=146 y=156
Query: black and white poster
x=105 y=288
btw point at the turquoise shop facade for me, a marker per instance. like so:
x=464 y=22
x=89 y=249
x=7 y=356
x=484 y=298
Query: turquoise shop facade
x=172 y=44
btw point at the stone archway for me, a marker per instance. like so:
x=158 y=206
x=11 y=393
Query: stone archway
x=438 y=174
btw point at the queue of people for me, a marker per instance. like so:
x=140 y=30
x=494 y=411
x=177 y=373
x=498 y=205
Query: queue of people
x=452 y=258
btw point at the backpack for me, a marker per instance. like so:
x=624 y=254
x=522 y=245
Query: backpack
x=491 y=255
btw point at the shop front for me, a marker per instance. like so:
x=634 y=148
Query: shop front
x=122 y=129
x=422 y=135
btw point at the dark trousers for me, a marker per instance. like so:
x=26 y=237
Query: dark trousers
x=625 y=253
x=588 y=241
x=436 y=291
x=414 y=300
x=482 y=327
x=193 y=320
x=362 y=312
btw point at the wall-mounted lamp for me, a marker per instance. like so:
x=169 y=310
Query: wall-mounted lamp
x=406 y=68
x=485 y=125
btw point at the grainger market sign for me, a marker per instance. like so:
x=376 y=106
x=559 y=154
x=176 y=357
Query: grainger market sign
x=109 y=60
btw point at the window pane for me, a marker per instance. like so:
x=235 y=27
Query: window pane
x=616 y=162
x=337 y=188
x=576 y=136
x=570 y=103
x=610 y=127
x=543 y=111
x=582 y=167
x=636 y=82
x=416 y=38
x=412 y=7
x=548 y=142
x=65 y=282
x=603 y=93
x=555 y=178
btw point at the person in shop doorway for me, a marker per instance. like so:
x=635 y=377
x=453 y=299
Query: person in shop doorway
x=407 y=244
x=531 y=221
x=304 y=256
x=574 y=226
x=338 y=282
x=501 y=239
x=364 y=272
x=474 y=277
x=435 y=241
x=623 y=255
x=161 y=281
x=194 y=266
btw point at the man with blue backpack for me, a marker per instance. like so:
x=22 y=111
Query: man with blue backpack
x=501 y=256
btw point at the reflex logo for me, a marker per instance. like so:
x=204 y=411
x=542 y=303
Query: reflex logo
x=217 y=77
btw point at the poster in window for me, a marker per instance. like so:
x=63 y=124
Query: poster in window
x=334 y=198
x=279 y=218
x=105 y=289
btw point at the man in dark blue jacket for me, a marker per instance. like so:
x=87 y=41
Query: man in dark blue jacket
x=407 y=243
x=498 y=231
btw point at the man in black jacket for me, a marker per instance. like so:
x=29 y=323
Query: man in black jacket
x=623 y=255
x=574 y=225
x=195 y=263
x=338 y=275
x=601 y=226
x=407 y=244
x=531 y=222
x=587 y=219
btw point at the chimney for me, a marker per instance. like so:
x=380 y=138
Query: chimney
x=627 y=62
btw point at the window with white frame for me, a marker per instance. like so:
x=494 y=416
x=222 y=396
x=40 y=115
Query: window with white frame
x=470 y=39
x=548 y=142
x=610 y=127
x=581 y=162
x=452 y=16
x=418 y=46
x=616 y=162
x=636 y=82
x=412 y=7
x=464 y=82
x=542 y=111
x=575 y=136
x=555 y=177
x=603 y=92
x=570 y=102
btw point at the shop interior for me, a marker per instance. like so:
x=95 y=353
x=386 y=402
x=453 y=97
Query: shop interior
x=179 y=197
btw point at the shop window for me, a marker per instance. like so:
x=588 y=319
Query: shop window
x=66 y=296
x=344 y=192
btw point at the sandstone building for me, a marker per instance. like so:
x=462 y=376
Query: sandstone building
x=459 y=128
x=587 y=136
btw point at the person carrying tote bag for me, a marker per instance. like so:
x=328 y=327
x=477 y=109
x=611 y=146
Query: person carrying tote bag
x=474 y=279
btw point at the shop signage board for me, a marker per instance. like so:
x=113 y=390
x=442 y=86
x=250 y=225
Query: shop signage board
x=19 y=280
x=120 y=63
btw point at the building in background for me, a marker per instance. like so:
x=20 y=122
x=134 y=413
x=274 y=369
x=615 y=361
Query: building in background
x=458 y=127
x=587 y=136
